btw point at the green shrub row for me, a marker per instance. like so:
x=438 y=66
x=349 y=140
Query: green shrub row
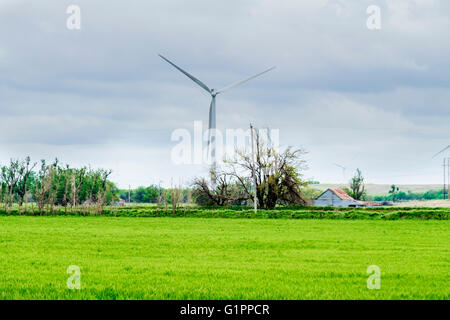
x=382 y=213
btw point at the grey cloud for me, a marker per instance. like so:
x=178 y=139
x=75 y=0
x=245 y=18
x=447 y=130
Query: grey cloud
x=339 y=88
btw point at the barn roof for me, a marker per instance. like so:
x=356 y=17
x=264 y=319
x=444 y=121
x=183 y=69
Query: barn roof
x=341 y=194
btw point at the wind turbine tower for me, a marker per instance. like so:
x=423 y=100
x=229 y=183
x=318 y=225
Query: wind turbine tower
x=343 y=170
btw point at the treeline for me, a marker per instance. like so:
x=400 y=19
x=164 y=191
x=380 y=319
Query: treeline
x=407 y=196
x=156 y=194
x=46 y=185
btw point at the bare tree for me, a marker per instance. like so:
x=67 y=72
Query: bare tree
x=43 y=190
x=277 y=178
x=68 y=173
x=77 y=181
x=166 y=200
x=225 y=192
x=176 y=197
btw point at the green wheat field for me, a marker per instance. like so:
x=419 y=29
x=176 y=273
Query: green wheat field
x=215 y=258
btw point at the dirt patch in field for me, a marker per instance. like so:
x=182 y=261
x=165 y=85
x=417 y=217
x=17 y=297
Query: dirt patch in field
x=428 y=204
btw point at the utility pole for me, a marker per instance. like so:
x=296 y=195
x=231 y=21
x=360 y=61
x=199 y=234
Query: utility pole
x=129 y=193
x=255 y=203
x=448 y=180
x=160 y=193
x=445 y=186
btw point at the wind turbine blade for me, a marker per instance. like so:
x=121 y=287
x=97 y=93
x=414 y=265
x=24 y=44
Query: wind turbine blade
x=231 y=86
x=201 y=84
x=445 y=149
x=338 y=165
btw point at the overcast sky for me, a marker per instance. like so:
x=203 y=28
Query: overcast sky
x=374 y=99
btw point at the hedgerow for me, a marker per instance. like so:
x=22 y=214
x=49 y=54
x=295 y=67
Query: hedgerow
x=236 y=212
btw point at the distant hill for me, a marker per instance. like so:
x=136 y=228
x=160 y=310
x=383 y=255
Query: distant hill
x=382 y=189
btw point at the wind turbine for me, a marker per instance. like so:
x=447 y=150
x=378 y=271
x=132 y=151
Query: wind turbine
x=343 y=169
x=212 y=108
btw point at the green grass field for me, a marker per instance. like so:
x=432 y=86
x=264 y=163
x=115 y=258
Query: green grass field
x=197 y=258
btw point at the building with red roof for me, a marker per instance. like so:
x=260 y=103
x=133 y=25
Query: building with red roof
x=339 y=198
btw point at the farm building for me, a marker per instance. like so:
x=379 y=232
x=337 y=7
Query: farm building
x=339 y=198
x=121 y=202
